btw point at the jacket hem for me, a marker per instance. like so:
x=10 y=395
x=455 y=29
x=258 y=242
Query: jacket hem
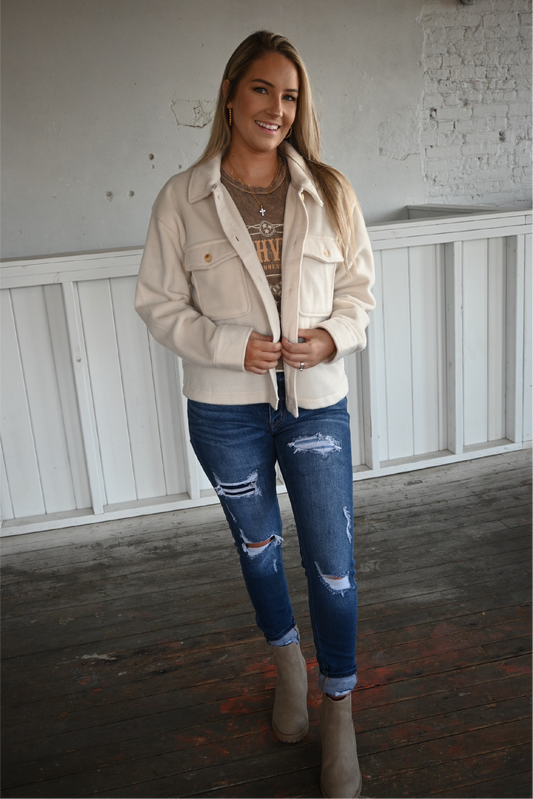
x=227 y=398
x=245 y=397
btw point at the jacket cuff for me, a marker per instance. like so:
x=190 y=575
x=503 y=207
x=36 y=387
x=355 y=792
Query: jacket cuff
x=230 y=347
x=344 y=337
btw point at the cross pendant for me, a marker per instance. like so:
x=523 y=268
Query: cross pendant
x=262 y=211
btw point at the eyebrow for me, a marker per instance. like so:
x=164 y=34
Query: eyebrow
x=260 y=80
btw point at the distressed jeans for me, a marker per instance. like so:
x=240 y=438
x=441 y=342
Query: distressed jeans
x=238 y=446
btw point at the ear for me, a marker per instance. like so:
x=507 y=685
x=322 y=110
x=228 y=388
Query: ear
x=225 y=89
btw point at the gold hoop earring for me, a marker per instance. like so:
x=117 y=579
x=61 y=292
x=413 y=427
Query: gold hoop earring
x=229 y=117
x=289 y=133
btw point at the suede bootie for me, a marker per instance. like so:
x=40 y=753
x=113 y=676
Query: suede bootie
x=290 y=721
x=341 y=776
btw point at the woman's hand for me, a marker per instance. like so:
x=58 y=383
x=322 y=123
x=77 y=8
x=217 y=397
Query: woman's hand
x=261 y=354
x=317 y=347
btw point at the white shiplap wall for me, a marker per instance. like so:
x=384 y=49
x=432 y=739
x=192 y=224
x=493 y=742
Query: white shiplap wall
x=94 y=423
x=409 y=333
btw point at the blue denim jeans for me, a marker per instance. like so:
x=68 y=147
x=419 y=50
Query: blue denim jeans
x=238 y=446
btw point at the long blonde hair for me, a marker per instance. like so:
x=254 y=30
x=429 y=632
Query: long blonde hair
x=337 y=194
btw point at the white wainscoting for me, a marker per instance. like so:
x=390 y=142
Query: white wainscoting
x=93 y=419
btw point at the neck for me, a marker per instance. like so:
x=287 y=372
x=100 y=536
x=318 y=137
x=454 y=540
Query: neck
x=257 y=170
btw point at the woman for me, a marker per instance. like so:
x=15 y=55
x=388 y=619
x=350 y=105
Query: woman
x=257 y=272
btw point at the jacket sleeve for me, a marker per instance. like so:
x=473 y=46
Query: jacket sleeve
x=352 y=298
x=163 y=300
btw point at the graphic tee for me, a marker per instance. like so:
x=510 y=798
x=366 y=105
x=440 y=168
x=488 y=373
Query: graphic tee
x=266 y=231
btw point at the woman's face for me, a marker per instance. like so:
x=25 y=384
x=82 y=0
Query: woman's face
x=264 y=104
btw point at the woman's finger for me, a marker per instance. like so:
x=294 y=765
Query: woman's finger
x=317 y=347
x=261 y=353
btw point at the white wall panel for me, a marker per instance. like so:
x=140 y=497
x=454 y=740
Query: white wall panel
x=496 y=338
x=475 y=320
x=453 y=280
x=355 y=408
x=426 y=289
x=528 y=343
x=196 y=477
x=410 y=339
x=139 y=393
x=485 y=345
x=55 y=309
x=44 y=401
x=17 y=434
x=397 y=339
x=172 y=435
x=514 y=372
x=5 y=495
x=107 y=389
x=378 y=333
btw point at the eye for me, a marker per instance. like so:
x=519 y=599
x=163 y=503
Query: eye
x=260 y=89
x=290 y=97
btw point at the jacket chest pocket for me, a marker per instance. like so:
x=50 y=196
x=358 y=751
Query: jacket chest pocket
x=320 y=259
x=218 y=281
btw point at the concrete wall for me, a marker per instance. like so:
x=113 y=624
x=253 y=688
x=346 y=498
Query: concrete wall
x=103 y=100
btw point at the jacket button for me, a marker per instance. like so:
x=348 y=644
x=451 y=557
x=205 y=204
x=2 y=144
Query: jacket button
x=326 y=253
x=207 y=258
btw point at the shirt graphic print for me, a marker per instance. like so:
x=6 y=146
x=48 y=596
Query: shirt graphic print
x=266 y=232
x=268 y=240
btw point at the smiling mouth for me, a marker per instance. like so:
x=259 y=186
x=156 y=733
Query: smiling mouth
x=266 y=126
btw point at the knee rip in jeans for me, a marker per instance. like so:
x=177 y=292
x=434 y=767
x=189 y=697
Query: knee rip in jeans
x=253 y=549
x=243 y=488
x=318 y=444
x=336 y=584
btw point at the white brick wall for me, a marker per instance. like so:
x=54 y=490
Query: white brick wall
x=476 y=109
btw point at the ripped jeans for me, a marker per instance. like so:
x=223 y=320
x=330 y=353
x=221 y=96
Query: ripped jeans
x=238 y=446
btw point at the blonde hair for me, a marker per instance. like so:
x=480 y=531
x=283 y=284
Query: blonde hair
x=338 y=196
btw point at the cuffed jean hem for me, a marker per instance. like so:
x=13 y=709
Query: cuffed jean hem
x=292 y=637
x=336 y=686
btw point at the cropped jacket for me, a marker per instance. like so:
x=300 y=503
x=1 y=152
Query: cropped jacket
x=201 y=289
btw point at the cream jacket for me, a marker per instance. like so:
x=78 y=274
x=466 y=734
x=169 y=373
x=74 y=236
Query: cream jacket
x=202 y=290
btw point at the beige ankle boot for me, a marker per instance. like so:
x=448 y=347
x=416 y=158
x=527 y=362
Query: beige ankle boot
x=341 y=775
x=290 y=721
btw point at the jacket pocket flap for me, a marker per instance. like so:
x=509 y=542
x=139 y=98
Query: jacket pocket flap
x=323 y=248
x=208 y=255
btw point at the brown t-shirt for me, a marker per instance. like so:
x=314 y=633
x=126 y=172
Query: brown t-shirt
x=265 y=230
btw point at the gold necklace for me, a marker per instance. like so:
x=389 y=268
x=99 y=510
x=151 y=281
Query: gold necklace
x=261 y=209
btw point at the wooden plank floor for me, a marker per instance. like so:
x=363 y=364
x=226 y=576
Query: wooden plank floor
x=133 y=668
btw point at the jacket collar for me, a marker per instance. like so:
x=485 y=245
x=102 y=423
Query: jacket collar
x=206 y=177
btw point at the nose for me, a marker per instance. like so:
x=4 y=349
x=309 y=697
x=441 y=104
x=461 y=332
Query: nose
x=275 y=106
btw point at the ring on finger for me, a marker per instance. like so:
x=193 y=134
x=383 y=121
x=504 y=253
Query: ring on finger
x=302 y=366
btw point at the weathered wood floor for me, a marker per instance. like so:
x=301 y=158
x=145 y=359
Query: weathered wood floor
x=132 y=666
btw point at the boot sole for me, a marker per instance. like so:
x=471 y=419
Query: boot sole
x=355 y=796
x=291 y=739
